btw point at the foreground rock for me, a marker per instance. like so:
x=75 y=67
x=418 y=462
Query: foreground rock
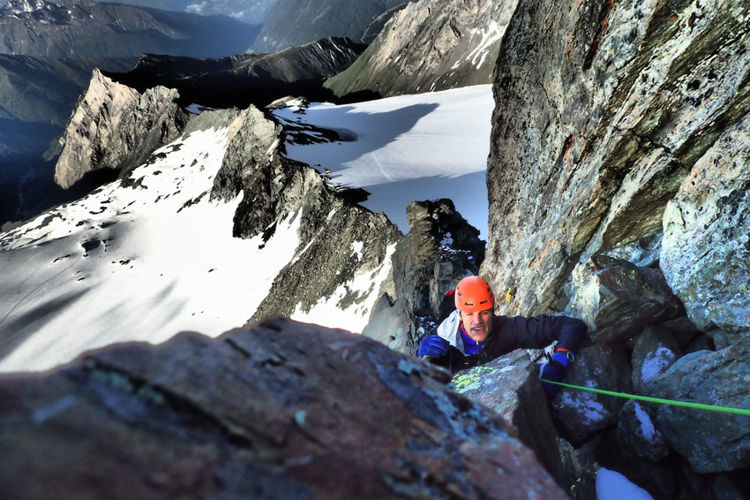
x=510 y=386
x=252 y=414
x=430 y=45
x=116 y=127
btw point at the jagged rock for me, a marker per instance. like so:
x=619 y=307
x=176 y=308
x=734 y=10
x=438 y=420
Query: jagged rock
x=653 y=353
x=509 y=385
x=706 y=250
x=389 y=324
x=580 y=467
x=603 y=108
x=116 y=127
x=440 y=249
x=711 y=441
x=617 y=299
x=292 y=22
x=334 y=234
x=284 y=410
x=430 y=45
x=582 y=414
x=637 y=435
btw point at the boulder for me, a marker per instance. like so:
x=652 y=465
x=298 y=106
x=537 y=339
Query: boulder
x=509 y=385
x=653 y=353
x=706 y=250
x=602 y=110
x=116 y=127
x=284 y=410
x=582 y=414
x=636 y=433
x=617 y=299
x=711 y=441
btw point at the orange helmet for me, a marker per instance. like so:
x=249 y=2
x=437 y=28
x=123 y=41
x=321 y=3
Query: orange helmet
x=474 y=294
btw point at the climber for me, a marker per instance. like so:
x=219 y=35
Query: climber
x=472 y=334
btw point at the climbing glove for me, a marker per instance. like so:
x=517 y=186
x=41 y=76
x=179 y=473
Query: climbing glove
x=433 y=346
x=555 y=371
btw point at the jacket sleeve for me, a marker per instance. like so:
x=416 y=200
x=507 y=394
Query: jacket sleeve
x=540 y=331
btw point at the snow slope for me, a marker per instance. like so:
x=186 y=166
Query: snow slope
x=147 y=261
x=407 y=148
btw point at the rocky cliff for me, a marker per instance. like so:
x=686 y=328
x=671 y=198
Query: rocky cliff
x=295 y=22
x=252 y=414
x=618 y=190
x=430 y=45
x=116 y=127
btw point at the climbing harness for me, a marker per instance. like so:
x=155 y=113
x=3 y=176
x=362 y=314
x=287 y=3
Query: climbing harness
x=687 y=404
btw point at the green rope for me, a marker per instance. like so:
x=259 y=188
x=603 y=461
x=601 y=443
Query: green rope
x=700 y=406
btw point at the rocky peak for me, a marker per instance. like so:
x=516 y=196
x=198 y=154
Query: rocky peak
x=116 y=127
x=430 y=45
x=439 y=250
x=285 y=409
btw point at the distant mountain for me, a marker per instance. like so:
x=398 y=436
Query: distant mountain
x=86 y=29
x=243 y=79
x=249 y=11
x=430 y=45
x=295 y=22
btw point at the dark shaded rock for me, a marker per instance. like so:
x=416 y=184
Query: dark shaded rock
x=116 y=127
x=682 y=329
x=636 y=434
x=653 y=353
x=617 y=299
x=252 y=414
x=599 y=119
x=581 y=414
x=711 y=441
x=293 y=22
x=243 y=79
x=440 y=249
x=509 y=385
x=430 y=45
x=580 y=467
x=706 y=250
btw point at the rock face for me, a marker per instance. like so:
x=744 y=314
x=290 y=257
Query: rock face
x=116 y=127
x=706 y=249
x=244 y=79
x=603 y=109
x=344 y=250
x=430 y=45
x=439 y=250
x=79 y=29
x=509 y=385
x=618 y=299
x=295 y=22
x=711 y=441
x=252 y=414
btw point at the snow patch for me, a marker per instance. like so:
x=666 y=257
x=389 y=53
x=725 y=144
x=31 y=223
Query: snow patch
x=357 y=247
x=655 y=363
x=611 y=485
x=586 y=405
x=647 y=427
x=490 y=35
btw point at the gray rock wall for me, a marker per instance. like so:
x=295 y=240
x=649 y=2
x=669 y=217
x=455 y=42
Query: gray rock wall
x=603 y=109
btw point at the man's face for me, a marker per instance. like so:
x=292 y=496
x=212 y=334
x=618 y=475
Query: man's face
x=477 y=324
